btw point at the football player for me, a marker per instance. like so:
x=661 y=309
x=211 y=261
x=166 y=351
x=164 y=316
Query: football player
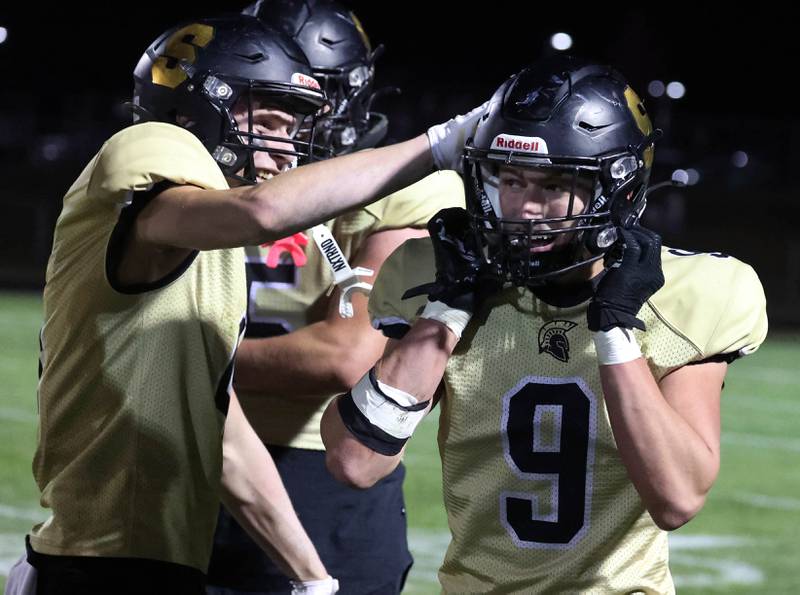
x=581 y=362
x=299 y=351
x=144 y=308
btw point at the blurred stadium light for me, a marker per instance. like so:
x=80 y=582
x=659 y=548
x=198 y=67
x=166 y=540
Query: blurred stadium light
x=740 y=159
x=676 y=90
x=656 y=88
x=561 y=41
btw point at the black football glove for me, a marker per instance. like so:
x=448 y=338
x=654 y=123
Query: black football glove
x=459 y=261
x=629 y=282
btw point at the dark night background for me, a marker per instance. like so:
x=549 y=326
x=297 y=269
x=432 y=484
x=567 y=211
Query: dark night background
x=67 y=68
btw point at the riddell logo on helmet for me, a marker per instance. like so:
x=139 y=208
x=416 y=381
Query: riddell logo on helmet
x=305 y=80
x=522 y=144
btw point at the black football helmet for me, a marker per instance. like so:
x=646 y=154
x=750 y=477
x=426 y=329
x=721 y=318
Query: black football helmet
x=194 y=74
x=580 y=123
x=342 y=59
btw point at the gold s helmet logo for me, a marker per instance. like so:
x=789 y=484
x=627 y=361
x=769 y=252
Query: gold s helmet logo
x=181 y=45
x=642 y=120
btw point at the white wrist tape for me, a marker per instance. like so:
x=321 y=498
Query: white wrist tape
x=616 y=346
x=387 y=407
x=326 y=586
x=453 y=318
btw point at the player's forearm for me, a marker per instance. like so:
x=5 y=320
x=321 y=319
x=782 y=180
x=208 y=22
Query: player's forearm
x=315 y=193
x=298 y=364
x=315 y=361
x=273 y=525
x=671 y=466
x=253 y=492
x=416 y=364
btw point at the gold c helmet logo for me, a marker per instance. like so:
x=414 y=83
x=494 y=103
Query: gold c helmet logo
x=642 y=120
x=181 y=45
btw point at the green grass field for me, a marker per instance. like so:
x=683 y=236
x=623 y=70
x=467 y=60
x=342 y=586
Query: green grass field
x=744 y=541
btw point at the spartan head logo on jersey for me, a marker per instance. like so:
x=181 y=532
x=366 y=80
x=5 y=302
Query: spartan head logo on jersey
x=553 y=339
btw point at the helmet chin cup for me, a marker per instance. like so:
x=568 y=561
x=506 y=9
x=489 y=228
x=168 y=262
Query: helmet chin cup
x=598 y=241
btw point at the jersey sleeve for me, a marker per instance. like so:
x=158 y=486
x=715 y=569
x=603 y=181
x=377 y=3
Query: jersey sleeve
x=414 y=205
x=714 y=301
x=742 y=323
x=143 y=155
x=408 y=266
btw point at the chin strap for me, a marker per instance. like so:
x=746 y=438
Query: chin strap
x=347 y=279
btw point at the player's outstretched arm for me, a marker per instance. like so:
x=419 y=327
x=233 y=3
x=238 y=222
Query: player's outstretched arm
x=326 y=357
x=181 y=219
x=253 y=492
x=189 y=218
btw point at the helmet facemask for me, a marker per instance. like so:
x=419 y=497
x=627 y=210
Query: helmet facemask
x=349 y=125
x=240 y=141
x=532 y=251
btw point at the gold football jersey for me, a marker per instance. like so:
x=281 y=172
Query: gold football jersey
x=133 y=390
x=285 y=297
x=537 y=497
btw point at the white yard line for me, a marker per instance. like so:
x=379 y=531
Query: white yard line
x=692 y=567
x=20 y=415
x=428 y=547
x=683 y=543
x=12 y=546
x=760 y=441
x=713 y=572
x=769 y=502
x=768 y=375
x=760 y=404
x=28 y=514
x=697 y=560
